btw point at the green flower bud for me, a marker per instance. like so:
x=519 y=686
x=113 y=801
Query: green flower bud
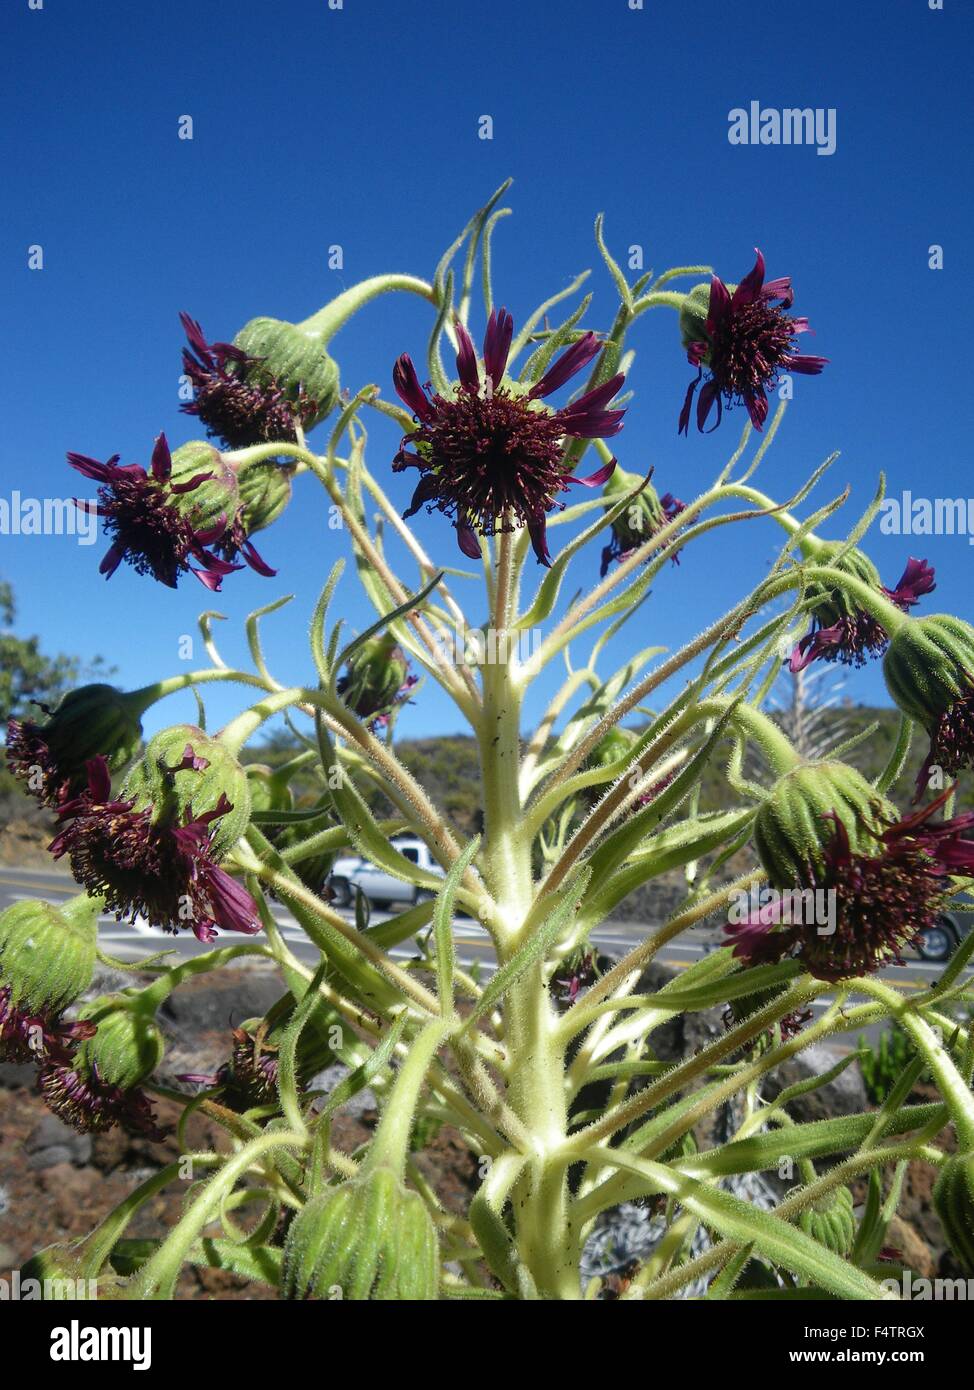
x=831 y=1222
x=929 y=666
x=372 y=1238
x=47 y=953
x=128 y=1046
x=268 y=792
x=646 y=514
x=92 y=721
x=694 y=312
x=953 y=1200
x=265 y=491
x=180 y=789
x=797 y=820
x=291 y=360
x=611 y=747
x=377 y=672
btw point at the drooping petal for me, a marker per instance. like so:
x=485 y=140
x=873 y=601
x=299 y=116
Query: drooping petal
x=254 y=559
x=684 y=425
x=233 y=907
x=708 y=396
x=538 y=531
x=596 y=479
x=426 y=489
x=208 y=578
x=780 y=289
x=467 y=540
x=804 y=364
x=757 y=408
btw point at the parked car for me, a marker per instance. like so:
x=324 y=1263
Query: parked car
x=381 y=888
x=941 y=940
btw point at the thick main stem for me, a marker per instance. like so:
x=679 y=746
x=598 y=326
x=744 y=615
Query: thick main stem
x=536 y=1079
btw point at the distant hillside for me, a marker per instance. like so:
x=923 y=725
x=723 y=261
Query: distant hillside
x=448 y=766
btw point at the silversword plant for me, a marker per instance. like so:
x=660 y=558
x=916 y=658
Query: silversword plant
x=547 y=1064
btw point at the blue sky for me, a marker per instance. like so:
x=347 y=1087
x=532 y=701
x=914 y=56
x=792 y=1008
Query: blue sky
x=359 y=126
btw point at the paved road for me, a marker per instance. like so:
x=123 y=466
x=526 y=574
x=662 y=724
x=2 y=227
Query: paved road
x=473 y=944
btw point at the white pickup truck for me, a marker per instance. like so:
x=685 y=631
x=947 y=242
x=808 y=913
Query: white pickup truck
x=352 y=871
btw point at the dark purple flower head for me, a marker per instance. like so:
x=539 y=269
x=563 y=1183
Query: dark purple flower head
x=248 y=1078
x=30 y=759
x=163 y=871
x=625 y=539
x=491 y=456
x=841 y=630
x=576 y=973
x=951 y=741
x=146 y=522
x=50 y=758
x=746 y=340
x=30 y=1036
x=233 y=403
x=882 y=901
x=377 y=680
x=82 y=1099
x=851 y=639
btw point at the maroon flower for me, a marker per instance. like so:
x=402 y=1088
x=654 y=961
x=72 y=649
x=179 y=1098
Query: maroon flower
x=579 y=971
x=746 y=341
x=163 y=871
x=27 y=1036
x=233 y=405
x=492 y=456
x=882 y=902
x=89 y=1104
x=31 y=761
x=249 y=1078
x=148 y=527
x=625 y=540
x=850 y=640
x=857 y=634
x=951 y=741
x=916 y=580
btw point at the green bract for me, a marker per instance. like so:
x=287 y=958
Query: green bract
x=177 y=794
x=292 y=359
x=929 y=664
x=47 y=953
x=798 y=819
x=370 y=1238
x=127 y=1047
